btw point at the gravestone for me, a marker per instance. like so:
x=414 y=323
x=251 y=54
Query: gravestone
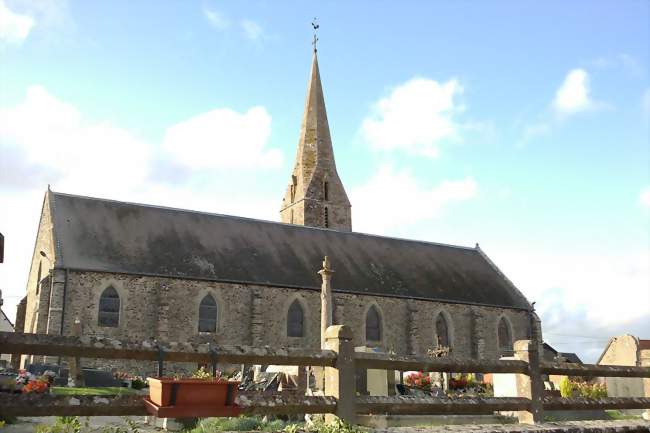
x=61 y=378
x=99 y=379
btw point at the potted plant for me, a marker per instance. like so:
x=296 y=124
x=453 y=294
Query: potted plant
x=198 y=396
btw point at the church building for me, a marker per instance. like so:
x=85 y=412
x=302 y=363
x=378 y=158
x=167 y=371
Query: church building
x=138 y=271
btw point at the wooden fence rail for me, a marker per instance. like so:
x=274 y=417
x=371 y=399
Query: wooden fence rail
x=149 y=350
x=64 y=405
x=408 y=405
x=383 y=361
x=591 y=370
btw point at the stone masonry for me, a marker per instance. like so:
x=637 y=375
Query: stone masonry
x=257 y=315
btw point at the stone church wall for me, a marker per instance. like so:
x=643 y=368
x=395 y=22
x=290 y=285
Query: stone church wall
x=167 y=309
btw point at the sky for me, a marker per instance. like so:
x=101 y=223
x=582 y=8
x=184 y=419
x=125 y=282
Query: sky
x=523 y=126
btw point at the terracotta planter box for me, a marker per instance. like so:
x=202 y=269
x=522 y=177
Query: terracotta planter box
x=175 y=398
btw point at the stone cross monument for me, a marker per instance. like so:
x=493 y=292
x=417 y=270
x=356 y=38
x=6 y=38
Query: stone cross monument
x=325 y=300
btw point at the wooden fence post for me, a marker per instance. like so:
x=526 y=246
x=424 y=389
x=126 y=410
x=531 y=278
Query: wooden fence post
x=74 y=363
x=339 y=380
x=645 y=362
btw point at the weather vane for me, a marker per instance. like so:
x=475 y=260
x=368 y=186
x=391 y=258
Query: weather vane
x=315 y=26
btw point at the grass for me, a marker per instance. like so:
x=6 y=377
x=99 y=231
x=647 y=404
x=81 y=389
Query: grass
x=111 y=390
x=617 y=414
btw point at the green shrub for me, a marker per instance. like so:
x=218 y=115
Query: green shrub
x=272 y=426
x=64 y=424
x=566 y=388
x=8 y=419
x=594 y=390
x=292 y=428
x=569 y=388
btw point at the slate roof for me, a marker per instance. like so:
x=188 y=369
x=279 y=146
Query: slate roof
x=112 y=236
x=571 y=357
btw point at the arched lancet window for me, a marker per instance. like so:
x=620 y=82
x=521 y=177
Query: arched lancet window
x=442 y=331
x=326 y=190
x=109 y=308
x=295 y=320
x=373 y=325
x=208 y=314
x=504 y=337
x=294 y=184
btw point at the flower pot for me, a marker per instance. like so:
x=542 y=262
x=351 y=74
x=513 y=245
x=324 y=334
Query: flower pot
x=192 y=397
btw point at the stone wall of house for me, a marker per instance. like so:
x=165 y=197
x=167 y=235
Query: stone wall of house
x=623 y=350
x=168 y=308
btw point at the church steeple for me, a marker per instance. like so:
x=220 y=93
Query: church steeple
x=315 y=196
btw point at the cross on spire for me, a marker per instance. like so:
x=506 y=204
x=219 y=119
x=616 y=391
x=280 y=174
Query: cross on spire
x=315 y=26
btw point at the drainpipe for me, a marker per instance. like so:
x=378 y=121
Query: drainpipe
x=65 y=290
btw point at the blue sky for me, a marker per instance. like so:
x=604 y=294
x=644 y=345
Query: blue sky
x=520 y=125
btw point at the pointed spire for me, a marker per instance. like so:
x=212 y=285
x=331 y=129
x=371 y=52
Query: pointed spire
x=316 y=197
x=315 y=130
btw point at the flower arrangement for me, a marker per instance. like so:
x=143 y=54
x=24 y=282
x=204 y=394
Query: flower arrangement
x=418 y=380
x=202 y=373
x=458 y=383
x=130 y=380
x=38 y=386
x=27 y=382
x=23 y=377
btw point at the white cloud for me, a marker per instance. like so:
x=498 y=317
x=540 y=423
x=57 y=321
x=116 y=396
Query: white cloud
x=14 y=28
x=42 y=123
x=415 y=117
x=216 y=19
x=581 y=293
x=644 y=197
x=223 y=138
x=573 y=95
x=52 y=133
x=609 y=289
x=374 y=213
x=252 y=29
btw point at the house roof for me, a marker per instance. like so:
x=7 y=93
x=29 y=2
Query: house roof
x=549 y=353
x=112 y=236
x=644 y=344
x=571 y=357
x=7 y=319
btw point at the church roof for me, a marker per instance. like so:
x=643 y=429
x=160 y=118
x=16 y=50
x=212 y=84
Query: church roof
x=111 y=236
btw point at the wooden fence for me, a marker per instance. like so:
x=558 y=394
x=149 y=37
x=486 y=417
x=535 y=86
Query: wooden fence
x=340 y=363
